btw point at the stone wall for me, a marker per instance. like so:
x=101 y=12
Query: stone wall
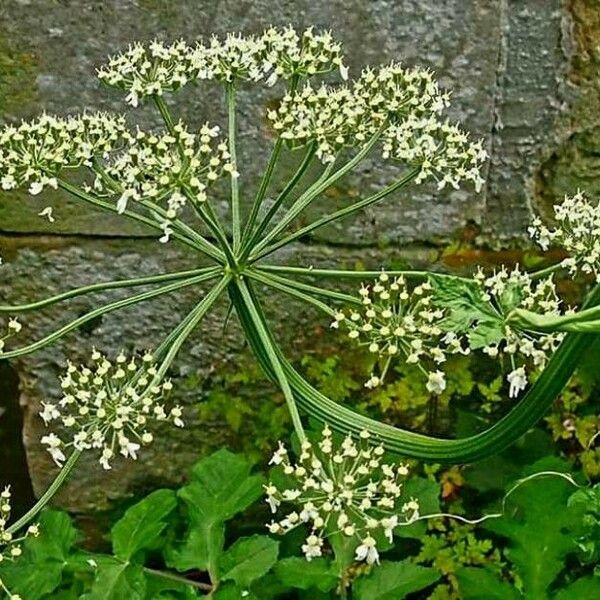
x=524 y=75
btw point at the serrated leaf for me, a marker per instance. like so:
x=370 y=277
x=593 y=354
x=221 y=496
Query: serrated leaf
x=234 y=592
x=248 y=559
x=142 y=524
x=221 y=487
x=394 y=581
x=39 y=571
x=467 y=312
x=296 y=572
x=584 y=588
x=428 y=494
x=540 y=528
x=118 y=582
x=483 y=584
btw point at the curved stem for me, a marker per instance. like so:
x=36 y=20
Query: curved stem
x=325 y=181
x=583 y=321
x=272 y=357
x=51 y=338
x=190 y=323
x=281 y=198
x=355 y=207
x=286 y=289
x=99 y=287
x=48 y=494
x=235 y=191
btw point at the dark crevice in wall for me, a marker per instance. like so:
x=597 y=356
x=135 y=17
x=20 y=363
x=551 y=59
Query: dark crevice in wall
x=13 y=461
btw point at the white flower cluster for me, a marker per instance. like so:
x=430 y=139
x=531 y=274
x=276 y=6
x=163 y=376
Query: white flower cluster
x=441 y=150
x=289 y=53
x=156 y=166
x=10 y=546
x=577 y=231
x=109 y=407
x=526 y=350
x=349 y=489
x=35 y=152
x=327 y=116
x=156 y=68
x=14 y=326
x=153 y=69
x=395 y=321
x=405 y=104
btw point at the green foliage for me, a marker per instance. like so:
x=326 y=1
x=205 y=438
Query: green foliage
x=468 y=311
x=588 y=542
x=394 y=581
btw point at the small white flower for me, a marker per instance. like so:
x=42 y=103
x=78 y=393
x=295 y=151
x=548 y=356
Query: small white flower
x=47 y=212
x=436 y=382
x=367 y=551
x=517 y=380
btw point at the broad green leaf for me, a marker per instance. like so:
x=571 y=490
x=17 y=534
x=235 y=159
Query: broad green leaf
x=296 y=572
x=394 y=581
x=427 y=492
x=221 y=487
x=118 y=582
x=248 y=559
x=234 y=592
x=467 y=311
x=540 y=529
x=142 y=524
x=586 y=588
x=39 y=571
x=482 y=584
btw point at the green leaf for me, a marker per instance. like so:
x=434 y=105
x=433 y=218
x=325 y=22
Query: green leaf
x=118 y=582
x=394 y=581
x=221 y=487
x=467 y=311
x=39 y=571
x=296 y=572
x=585 y=588
x=233 y=592
x=427 y=492
x=540 y=528
x=483 y=584
x=142 y=524
x=248 y=559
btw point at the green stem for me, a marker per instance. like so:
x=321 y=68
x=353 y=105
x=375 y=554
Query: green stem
x=214 y=227
x=265 y=338
x=313 y=289
x=324 y=182
x=205 y=587
x=291 y=184
x=164 y=113
x=82 y=195
x=48 y=494
x=546 y=271
x=191 y=322
x=56 y=335
x=583 y=321
x=235 y=192
x=99 y=287
x=341 y=274
x=266 y=179
x=340 y=214
x=274 y=283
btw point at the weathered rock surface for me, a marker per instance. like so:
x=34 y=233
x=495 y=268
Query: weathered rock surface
x=524 y=75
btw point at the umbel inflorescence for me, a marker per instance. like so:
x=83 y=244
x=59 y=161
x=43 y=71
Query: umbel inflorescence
x=109 y=407
x=168 y=178
x=346 y=488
